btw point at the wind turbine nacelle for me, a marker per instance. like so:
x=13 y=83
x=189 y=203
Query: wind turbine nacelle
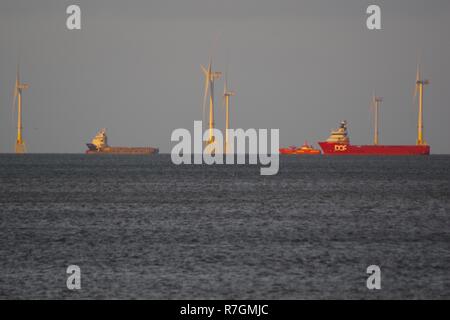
x=423 y=82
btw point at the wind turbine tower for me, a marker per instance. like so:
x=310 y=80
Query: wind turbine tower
x=18 y=87
x=226 y=95
x=210 y=77
x=376 y=102
x=420 y=83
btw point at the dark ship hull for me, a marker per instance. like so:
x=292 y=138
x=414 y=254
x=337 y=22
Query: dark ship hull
x=122 y=150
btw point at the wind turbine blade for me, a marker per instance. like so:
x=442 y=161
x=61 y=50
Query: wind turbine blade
x=225 y=89
x=205 y=72
x=15 y=94
x=212 y=92
x=224 y=96
x=16 y=89
x=417 y=79
x=212 y=98
x=418 y=73
x=16 y=85
x=205 y=96
x=13 y=109
x=372 y=102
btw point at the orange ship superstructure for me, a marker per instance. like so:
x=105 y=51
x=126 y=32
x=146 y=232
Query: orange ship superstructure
x=305 y=149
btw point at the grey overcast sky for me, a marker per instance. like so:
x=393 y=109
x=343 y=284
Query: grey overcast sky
x=300 y=66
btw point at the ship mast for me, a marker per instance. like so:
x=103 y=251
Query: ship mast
x=420 y=83
x=18 y=87
x=376 y=101
x=226 y=95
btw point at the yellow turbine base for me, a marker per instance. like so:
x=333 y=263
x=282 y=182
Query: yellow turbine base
x=210 y=151
x=20 y=148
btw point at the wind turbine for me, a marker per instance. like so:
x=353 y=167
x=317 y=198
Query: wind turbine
x=420 y=83
x=18 y=87
x=376 y=101
x=210 y=77
x=226 y=95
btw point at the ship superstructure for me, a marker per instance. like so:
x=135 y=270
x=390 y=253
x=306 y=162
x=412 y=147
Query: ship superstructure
x=99 y=142
x=339 y=135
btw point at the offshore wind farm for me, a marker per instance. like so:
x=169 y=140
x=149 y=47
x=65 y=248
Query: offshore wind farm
x=337 y=144
x=96 y=202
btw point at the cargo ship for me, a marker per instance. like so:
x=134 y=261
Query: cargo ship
x=305 y=149
x=99 y=145
x=338 y=143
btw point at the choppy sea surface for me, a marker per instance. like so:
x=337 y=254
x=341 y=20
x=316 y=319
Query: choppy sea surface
x=142 y=228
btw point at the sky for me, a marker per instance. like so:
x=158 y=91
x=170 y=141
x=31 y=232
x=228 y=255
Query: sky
x=298 y=66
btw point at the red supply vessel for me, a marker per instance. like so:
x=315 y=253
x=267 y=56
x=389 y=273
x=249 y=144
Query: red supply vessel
x=338 y=142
